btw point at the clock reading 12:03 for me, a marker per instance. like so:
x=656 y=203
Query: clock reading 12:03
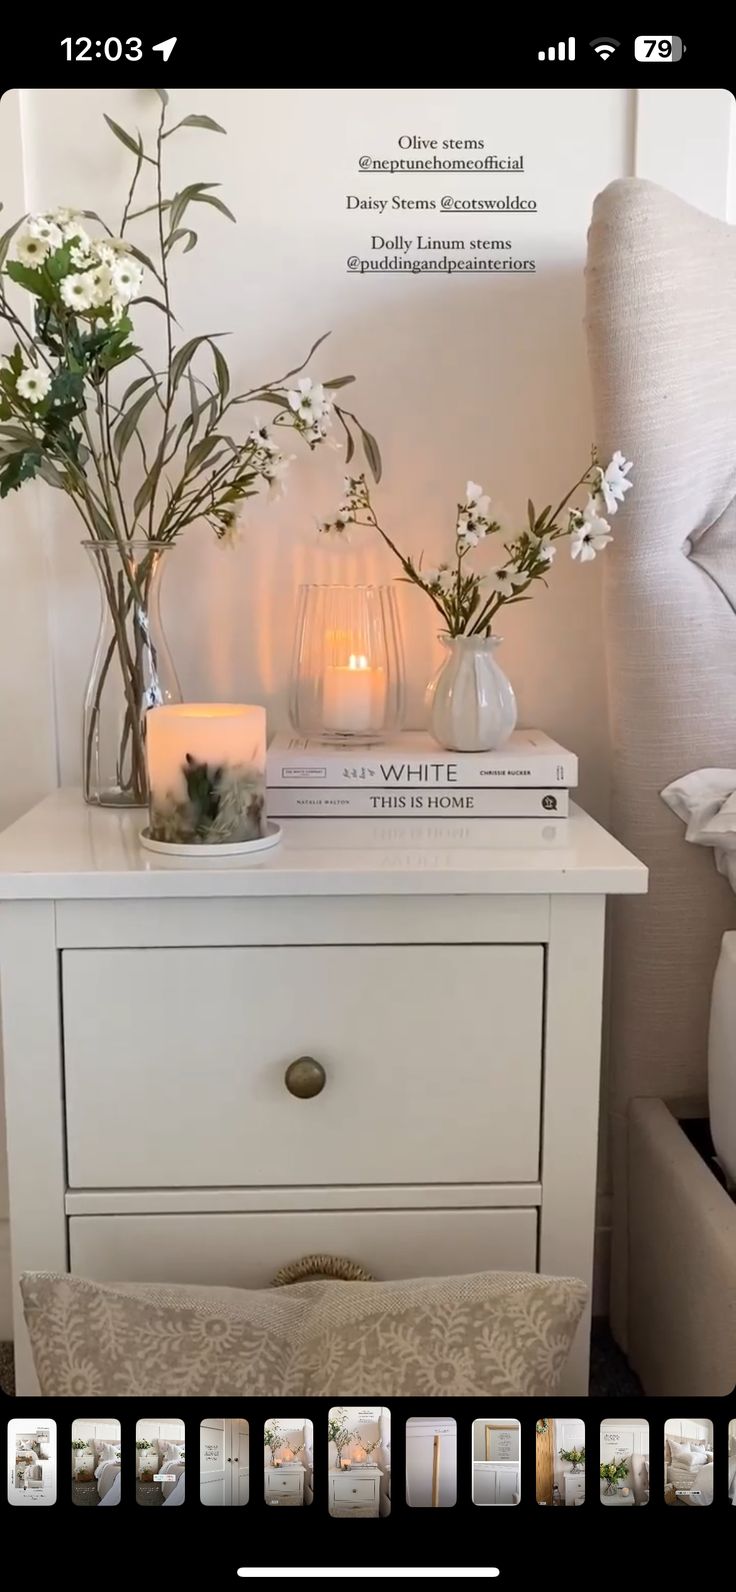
x=96 y=49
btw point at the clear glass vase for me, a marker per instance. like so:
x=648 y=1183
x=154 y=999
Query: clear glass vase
x=131 y=672
x=347 y=677
x=472 y=707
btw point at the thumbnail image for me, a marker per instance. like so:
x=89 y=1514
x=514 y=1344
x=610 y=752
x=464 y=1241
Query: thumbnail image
x=31 y=1462
x=560 y=1461
x=624 y=1463
x=159 y=1474
x=288 y=1462
x=359 y=1461
x=96 y=1462
x=688 y=1462
x=224 y=1461
x=496 y=1461
x=732 y=1461
x=431 y=1462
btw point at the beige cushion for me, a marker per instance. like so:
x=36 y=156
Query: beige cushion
x=683 y=1475
x=502 y=1333
x=661 y=327
x=680 y=1453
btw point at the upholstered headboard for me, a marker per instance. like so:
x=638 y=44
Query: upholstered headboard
x=661 y=325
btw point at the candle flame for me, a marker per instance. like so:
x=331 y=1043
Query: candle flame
x=357 y=660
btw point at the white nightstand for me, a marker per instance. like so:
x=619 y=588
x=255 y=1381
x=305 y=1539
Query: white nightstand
x=355 y=1489
x=284 y=1483
x=151 y=1010
x=617 y=1501
x=574 y=1487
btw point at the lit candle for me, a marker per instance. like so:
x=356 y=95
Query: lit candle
x=353 y=697
x=206 y=772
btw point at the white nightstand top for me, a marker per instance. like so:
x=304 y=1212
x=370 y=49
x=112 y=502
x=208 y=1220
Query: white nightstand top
x=63 y=850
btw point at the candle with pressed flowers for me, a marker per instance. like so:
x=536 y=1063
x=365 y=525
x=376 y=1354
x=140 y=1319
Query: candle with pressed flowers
x=206 y=774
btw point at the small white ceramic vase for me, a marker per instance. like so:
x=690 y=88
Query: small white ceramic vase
x=472 y=707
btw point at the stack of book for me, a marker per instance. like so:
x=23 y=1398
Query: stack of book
x=530 y=777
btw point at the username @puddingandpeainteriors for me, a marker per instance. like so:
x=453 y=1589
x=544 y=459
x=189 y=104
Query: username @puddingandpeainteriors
x=394 y=253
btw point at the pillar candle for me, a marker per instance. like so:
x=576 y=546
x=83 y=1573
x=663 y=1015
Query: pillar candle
x=353 y=697
x=206 y=772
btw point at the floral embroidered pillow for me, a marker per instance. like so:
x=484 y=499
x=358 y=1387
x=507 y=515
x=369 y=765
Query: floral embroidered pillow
x=491 y=1333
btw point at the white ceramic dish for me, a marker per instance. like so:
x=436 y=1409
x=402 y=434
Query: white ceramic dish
x=241 y=848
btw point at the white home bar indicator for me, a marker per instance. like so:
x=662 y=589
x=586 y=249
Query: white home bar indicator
x=558 y=52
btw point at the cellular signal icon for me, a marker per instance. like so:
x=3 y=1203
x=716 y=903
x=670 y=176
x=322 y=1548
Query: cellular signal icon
x=605 y=48
x=558 y=52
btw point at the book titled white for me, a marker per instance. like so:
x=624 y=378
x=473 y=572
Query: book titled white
x=529 y=758
x=362 y=802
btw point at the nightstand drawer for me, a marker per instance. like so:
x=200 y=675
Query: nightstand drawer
x=428 y=1062
x=245 y=1250
x=283 y=1482
x=355 y=1490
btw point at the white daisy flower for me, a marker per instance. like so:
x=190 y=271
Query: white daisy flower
x=45 y=229
x=477 y=501
x=471 y=528
x=611 y=485
x=78 y=291
x=591 y=533
x=504 y=582
x=33 y=384
x=127 y=276
x=103 y=284
x=30 y=250
x=309 y=401
x=73 y=231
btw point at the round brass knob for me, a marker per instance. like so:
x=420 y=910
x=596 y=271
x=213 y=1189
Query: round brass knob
x=305 y=1077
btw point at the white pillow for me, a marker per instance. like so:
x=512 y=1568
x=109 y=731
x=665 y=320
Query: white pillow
x=680 y=1453
x=172 y=1451
x=108 y=1452
x=698 y=1456
x=683 y=1475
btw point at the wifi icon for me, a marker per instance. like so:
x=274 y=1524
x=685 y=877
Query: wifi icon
x=605 y=48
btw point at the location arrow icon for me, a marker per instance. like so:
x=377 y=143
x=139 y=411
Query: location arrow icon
x=165 y=47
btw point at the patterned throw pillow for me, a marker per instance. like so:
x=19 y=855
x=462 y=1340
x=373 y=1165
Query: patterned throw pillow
x=503 y=1333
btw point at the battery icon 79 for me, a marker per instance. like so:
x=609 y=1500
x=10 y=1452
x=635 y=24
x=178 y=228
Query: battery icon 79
x=658 y=47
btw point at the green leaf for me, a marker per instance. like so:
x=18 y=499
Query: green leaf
x=338 y=381
x=28 y=276
x=197 y=121
x=372 y=453
x=20 y=467
x=59 y=264
x=145 y=298
x=184 y=354
x=201 y=451
x=126 y=427
x=7 y=238
x=135 y=146
x=143 y=259
x=181 y=232
x=140 y=381
x=263 y=398
x=299 y=368
x=194 y=190
x=531 y=515
x=221 y=372
x=162 y=94
x=92 y=215
x=211 y=199
x=145 y=492
x=51 y=475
